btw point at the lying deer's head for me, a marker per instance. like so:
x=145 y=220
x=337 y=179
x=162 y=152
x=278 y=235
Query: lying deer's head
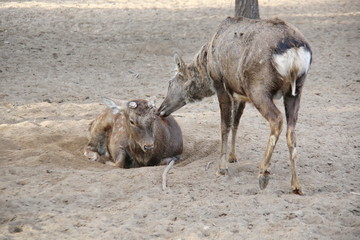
x=139 y=116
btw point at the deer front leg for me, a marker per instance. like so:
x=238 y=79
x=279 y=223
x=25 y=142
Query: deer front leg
x=238 y=108
x=225 y=109
x=120 y=158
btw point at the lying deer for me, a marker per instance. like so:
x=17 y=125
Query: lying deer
x=247 y=61
x=133 y=135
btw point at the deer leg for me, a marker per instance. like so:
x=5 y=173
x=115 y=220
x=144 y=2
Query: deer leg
x=225 y=103
x=91 y=153
x=120 y=158
x=96 y=146
x=238 y=108
x=291 y=104
x=272 y=114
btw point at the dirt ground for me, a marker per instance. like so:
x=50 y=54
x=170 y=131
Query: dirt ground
x=59 y=57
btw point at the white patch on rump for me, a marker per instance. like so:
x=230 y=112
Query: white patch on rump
x=293 y=59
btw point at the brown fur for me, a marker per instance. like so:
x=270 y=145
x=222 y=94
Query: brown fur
x=238 y=65
x=134 y=137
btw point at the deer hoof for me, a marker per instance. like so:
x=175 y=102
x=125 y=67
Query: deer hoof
x=232 y=159
x=298 y=191
x=92 y=156
x=222 y=172
x=263 y=181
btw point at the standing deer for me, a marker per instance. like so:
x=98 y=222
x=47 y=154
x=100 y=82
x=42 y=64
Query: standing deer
x=247 y=61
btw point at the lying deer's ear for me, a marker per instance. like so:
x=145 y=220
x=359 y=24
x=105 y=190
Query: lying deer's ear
x=180 y=64
x=187 y=84
x=151 y=102
x=112 y=105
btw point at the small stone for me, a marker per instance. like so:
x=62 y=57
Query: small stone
x=299 y=213
x=15 y=228
x=291 y=216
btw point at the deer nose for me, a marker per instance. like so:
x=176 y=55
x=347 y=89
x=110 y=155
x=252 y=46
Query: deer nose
x=148 y=147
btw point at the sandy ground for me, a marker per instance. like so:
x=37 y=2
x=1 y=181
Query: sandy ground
x=58 y=57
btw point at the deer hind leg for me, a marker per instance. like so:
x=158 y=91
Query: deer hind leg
x=91 y=153
x=291 y=104
x=272 y=114
x=96 y=146
x=238 y=109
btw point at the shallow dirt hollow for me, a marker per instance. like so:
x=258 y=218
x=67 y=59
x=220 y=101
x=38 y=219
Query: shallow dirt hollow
x=59 y=57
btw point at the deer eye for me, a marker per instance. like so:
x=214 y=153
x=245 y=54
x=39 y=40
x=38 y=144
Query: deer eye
x=132 y=123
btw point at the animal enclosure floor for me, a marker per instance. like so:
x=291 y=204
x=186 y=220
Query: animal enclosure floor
x=59 y=57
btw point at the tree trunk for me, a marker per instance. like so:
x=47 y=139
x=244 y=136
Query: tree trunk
x=247 y=8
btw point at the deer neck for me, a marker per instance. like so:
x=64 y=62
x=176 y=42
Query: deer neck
x=201 y=84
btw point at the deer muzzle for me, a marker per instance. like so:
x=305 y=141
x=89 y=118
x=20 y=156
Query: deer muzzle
x=148 y=147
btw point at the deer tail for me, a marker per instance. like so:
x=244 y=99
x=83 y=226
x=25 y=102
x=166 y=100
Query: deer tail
x=292 y=59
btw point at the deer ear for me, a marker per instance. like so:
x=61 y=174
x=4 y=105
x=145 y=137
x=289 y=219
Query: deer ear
x=151 y=102
x=112 y=105
x=180 y=64
x=187 y=84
